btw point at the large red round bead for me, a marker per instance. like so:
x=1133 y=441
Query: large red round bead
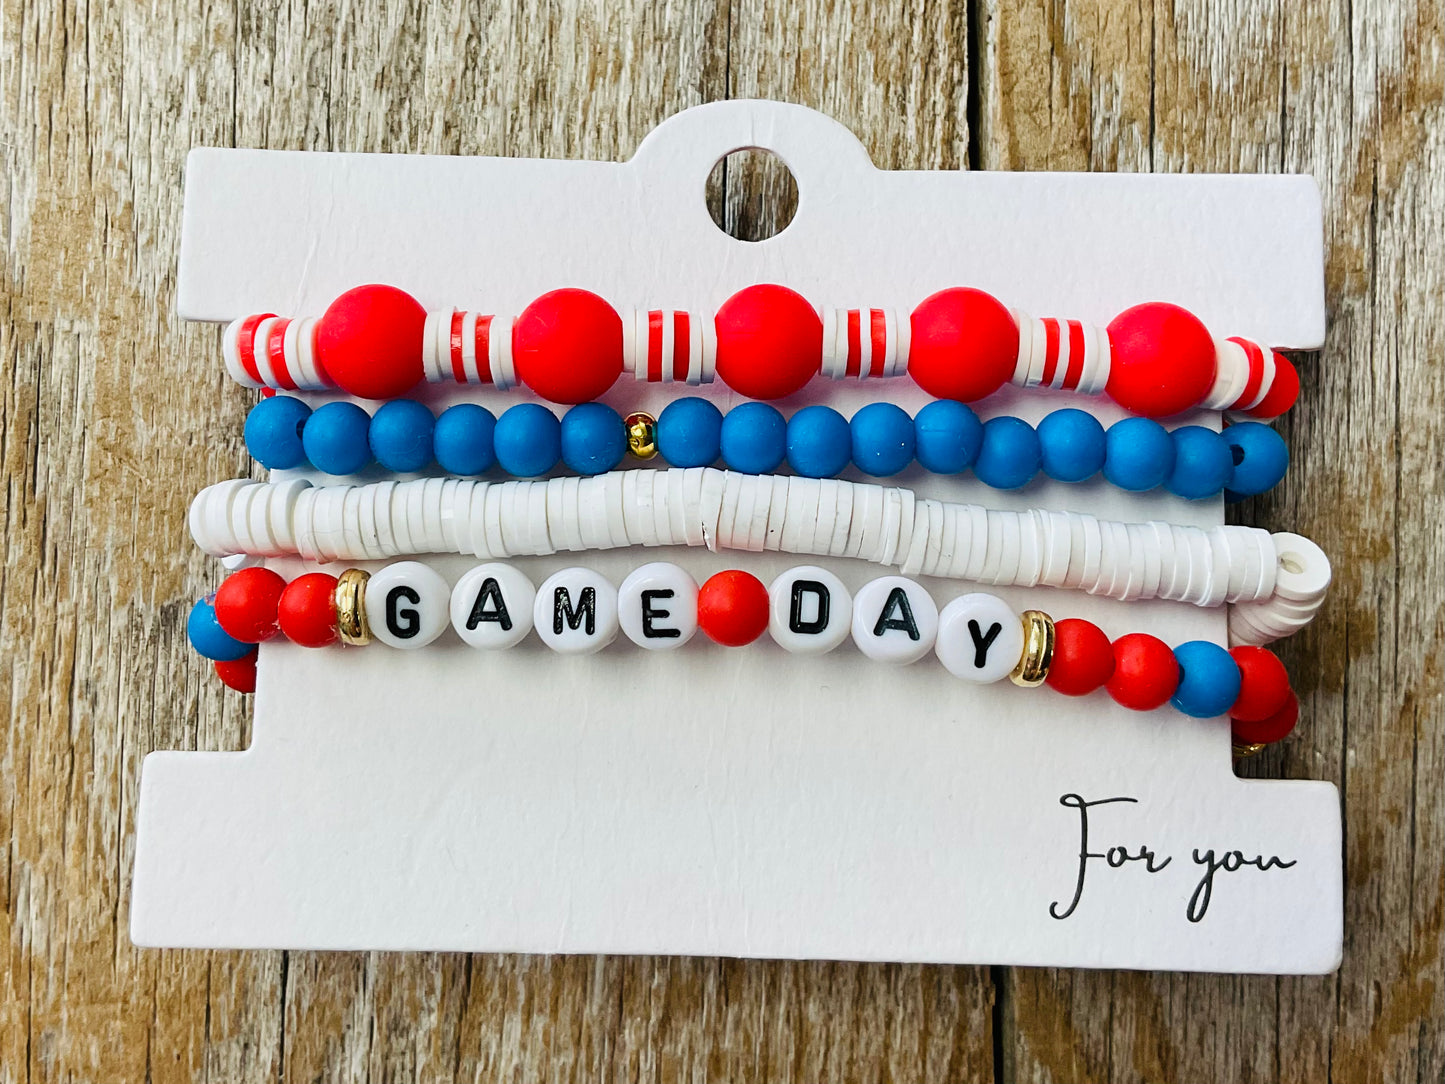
x=1083 y=657
x=1271 y=728
x=238 y=674
x=1146 y=673
x=769 y=342
x=246 y=604
x=1263 y=684
x=1282 y=393
x=369 y=341
x=1162 y=362
x=307 y=610
x=963 y=344
x=732 y=608
x=567 y=346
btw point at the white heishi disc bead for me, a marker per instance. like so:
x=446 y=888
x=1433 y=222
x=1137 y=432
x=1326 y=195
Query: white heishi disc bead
x=894 y=620
x=980 y=639
x=657 y=606
x=811 y=612
x=491 y=606
x=576 y=611
x=408 y=604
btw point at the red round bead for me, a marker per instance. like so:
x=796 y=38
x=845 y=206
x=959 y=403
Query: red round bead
x=246 y=604
x=1282 y=393
x=567 y=346
x=238 y=674
x=963 y=345
x=1269 y=729
x=732 y=608
x=1145 y=672
x=1083 y=657
x=307 y=610
x=769 y=342
x=1163 y=360
x=1263 y=684
x=369 y=341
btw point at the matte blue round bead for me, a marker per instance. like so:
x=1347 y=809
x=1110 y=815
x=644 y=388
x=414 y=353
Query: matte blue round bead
x=819 y=443
x=1138 y=454
x=527 y=440
x=273 y=432
x=947 y=436
x=401 y=435
x=1208 y=680
x=209 y=639
x=883 y=439
x=594 y=440
x=1073 y=444
x=1260 y=456
x=1202 y=463
x=1010 y=454
x=754 y=438
x=335 y=438
x=689 y=432
x=462 y=440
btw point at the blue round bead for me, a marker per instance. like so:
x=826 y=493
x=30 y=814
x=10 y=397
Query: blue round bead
x=401 y=435
x=335 y=438
x=1073 y=445
x=273 y=432
x=1260 y=457
x=462 y=440
x=754 y=438
x=689 y=432
x=883 y=439
x=1010 y=454
x=594 y=440
x=209 y=639
x=1202 y=463
x=819 y=445
x=1208 y=680
x=1138 y=454
x=947 y=436
x=527 y=440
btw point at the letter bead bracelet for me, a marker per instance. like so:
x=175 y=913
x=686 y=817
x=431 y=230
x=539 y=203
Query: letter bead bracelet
x=807 y=610
x=764 y=342
x=880 y=440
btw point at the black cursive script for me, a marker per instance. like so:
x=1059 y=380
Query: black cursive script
x=1114 y=856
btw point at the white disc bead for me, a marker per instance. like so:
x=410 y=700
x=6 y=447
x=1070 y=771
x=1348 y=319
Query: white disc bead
x=491 y=606
x=408 y=604
x=894 y=620
x=657 y=606
x=980 y=639
x=576 y=611
x=810 y=611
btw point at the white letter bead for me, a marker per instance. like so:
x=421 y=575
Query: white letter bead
x=407 y=604
x=979 y=638
x=657 y=606
x=894 y=620
x=811 y=611
x=492 y=606
x=576 y=611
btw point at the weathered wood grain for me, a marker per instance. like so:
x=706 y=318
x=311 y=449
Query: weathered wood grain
x=104 y=392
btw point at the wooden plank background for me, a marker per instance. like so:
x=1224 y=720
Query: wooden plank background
x=112 y=414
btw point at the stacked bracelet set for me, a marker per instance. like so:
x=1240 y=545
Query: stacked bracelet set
x=807 y=610
x=765 y=342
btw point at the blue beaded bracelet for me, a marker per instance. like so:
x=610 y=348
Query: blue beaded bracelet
x=946 y=437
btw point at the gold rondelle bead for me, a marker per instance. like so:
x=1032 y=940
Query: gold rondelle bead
x=641 y=434
x=1249 y=749
x=1033 y=667
x=350 y=599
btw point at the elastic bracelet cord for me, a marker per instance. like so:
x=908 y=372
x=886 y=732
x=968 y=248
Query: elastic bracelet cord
x=1276 y=582
x=765 y=342
x=881 y=440
x=807 y=610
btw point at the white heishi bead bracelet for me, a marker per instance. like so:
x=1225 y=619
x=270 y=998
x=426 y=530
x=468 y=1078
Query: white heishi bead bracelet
x=1276 y=583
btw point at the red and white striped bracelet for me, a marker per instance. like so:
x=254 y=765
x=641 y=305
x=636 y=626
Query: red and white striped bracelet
x=766 y=342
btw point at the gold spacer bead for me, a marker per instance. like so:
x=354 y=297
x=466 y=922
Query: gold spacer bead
x=1249 y=749
x=350 y=599
x=1038 y=654
x=641 y=434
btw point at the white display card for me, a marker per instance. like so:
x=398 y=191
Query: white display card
x=743 y=802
